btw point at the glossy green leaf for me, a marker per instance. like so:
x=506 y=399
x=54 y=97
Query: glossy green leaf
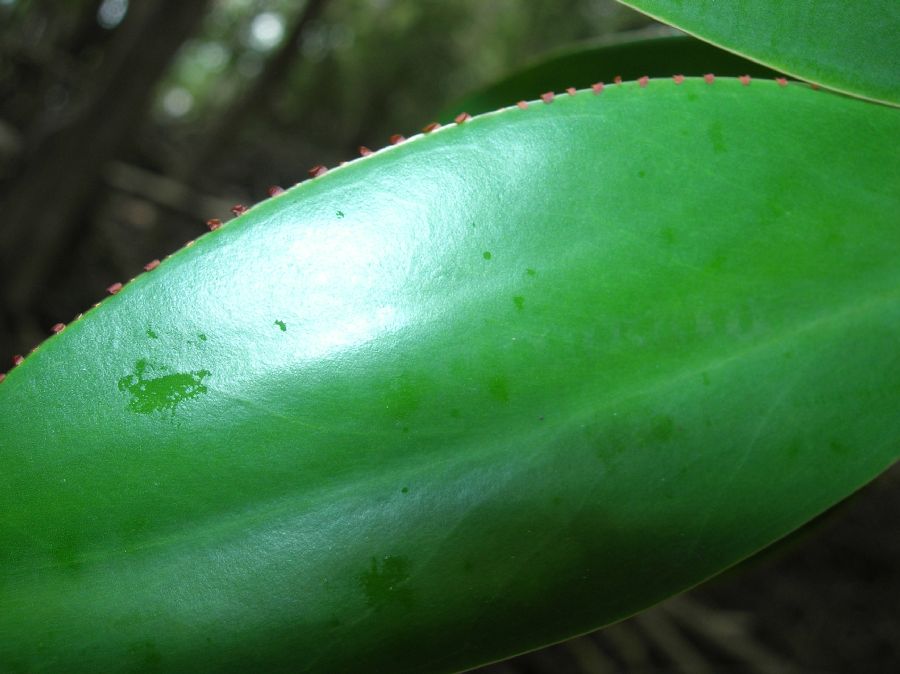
x=487 y=389
x=583 y=65
x=851 y=46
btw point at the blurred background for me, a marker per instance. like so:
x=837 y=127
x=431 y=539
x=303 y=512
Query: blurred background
x=124 y=126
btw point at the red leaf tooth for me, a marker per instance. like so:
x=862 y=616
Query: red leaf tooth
x=17 y=360
x=678 y=78
x=364 y=151
x=617 y=79
x=745 y=80
x=317 y=170
x=58 y=328
x=522 y=105
x=547 y=97
x=213 y=224
x=397 y=138
x=597 y=87
x=150 y=266
x=571 y=91
x=782 y=82
x=275 y=190
x=114 y=288
x=431 y=127
x=462 y=117
x=239 y=209
x=642 y=81
x=2 y=377
x=709 y=78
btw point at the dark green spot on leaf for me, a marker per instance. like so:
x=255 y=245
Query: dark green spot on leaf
x=384 y=583
x=499 y=389
x=838 y=448
x=163 y=391
x=662 y=430
x=717 y=138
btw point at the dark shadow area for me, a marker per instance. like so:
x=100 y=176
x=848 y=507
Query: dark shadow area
x=822 y=601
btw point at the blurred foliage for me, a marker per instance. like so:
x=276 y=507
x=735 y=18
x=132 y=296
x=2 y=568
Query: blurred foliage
x=364 y=70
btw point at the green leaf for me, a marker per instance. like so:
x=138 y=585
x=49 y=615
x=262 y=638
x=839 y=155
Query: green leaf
x=490 y=388
x=850 y=46
x=585 y=64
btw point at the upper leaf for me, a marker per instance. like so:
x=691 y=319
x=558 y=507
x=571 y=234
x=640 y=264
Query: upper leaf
x=851 y=46
x=498 y=385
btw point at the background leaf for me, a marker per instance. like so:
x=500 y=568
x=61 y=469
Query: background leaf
x=491 y=388
x=582 y=65
x=851 y=47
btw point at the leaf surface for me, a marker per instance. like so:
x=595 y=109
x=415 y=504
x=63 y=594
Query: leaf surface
x=484 y=390
x=851 y=47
